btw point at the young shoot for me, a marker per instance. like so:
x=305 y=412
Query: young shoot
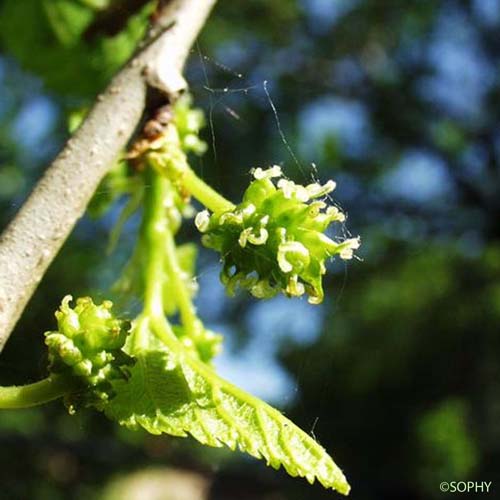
x=155 y=371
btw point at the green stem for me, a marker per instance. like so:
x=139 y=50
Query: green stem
x=139 y=338
x=174 y=271
x=26 y=396
x=163 y=330
x=153 y=231
x=204 y=193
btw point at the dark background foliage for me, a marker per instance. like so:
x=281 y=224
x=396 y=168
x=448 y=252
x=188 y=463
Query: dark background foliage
x=398 y=372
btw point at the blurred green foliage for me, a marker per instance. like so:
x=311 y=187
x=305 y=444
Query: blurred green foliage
x=48 y=38
x=447 y=446
x=399 y=102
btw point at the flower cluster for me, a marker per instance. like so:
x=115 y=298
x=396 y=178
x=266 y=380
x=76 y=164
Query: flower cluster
x=274 y=240
x=88 y=344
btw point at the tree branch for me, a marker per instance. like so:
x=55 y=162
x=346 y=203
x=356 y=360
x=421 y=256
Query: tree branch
x=32 y=240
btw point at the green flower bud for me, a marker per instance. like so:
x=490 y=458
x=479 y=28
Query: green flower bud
x=274 y=240
x=189 y=121
x=168 y=153
x=88 y=345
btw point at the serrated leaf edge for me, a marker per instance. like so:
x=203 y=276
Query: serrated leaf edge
x=279 y=442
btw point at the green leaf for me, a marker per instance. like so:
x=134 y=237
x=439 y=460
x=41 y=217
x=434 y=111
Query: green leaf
x=97 y=4
x=169 y=391
x=67 y=19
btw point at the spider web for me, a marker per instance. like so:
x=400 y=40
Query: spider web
x=219 y=97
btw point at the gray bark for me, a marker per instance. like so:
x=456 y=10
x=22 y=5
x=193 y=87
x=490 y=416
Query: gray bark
x=31 y=241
